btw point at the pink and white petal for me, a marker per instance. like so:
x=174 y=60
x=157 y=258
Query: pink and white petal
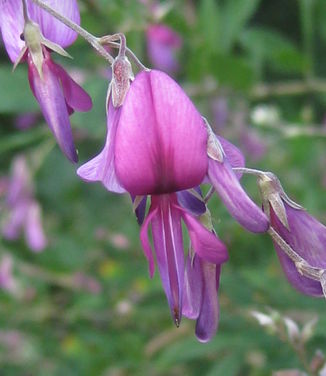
x=34 y=234
x=48 y=92
x=76 y=97
x=53 y=29
x=11 y=26
x=161 y=138
x=193 y=288
x=207 y=321
x=145 y=241
x=236 y=200
x=168 y=244
x=206 y=244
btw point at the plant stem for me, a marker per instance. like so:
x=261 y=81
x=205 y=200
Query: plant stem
x=94 y=41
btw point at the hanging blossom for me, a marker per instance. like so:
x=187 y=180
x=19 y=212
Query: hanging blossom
x=23 y=213
x=160 y=149
x=299 y=239
x=32 y=36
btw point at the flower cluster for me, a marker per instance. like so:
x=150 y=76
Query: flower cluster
x=160 y=149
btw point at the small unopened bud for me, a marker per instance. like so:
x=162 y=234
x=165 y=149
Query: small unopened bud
x=273 y=195
x=121 y=77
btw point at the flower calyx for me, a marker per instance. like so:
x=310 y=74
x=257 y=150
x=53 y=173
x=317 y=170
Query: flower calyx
x=34 y=42
x=214 y=148
x=273 y=195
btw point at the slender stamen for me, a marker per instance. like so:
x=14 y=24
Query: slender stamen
x=209 y=194
x=94 y=41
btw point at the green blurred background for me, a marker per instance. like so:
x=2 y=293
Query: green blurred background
x=256 y=70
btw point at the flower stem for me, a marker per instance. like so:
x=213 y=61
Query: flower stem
x=25 y=11
x=250 y=171
x=94 y=41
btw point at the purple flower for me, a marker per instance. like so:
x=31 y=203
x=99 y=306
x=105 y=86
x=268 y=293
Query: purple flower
x=160 y=149
x=302 y=232
x=24 y=213
x=162 y=45
x=57 y=94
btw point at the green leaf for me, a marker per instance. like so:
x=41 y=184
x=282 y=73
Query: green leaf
x=229 y=365
x=209 y=24
x=236 y=14
x=232 y=71
x=274 y=48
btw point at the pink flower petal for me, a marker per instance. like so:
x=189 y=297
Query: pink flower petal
x=76 y=97
x=307 y=237
x=12 y=25
x=207 y=245
x=168 y=244
x=193 y=288
x=102 y=168
x=145 y=242
x=207 y=321
x=48 y=92
x=53 y=29
x=238 y=203
x=161 y=139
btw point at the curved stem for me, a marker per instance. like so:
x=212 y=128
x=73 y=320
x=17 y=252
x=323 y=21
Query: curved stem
x=78 y=29
x=130 y=54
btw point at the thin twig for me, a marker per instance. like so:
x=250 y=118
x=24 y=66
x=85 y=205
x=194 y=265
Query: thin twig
x=94 y=41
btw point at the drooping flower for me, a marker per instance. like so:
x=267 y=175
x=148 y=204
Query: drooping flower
x=23 y=211
x=163 y=43
x=160 y=149
x=302 y=232
x=33 y=40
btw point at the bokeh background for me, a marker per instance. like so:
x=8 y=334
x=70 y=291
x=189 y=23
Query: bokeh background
x=85 y=305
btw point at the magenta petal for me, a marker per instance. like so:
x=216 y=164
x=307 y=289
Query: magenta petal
x=192 y=203
x=53 y=29
x=193 y=288
x=238 y=203
x=102 y=168
x=48 y=93
x=307 y=237
x=233 y=155
x=207 y=321
x=140 y=211
x=168 y=244
x=75 y=96
x=145 y=242
x=161 y=138
x=12 y=25
x=34 y=233
x=207 y=245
